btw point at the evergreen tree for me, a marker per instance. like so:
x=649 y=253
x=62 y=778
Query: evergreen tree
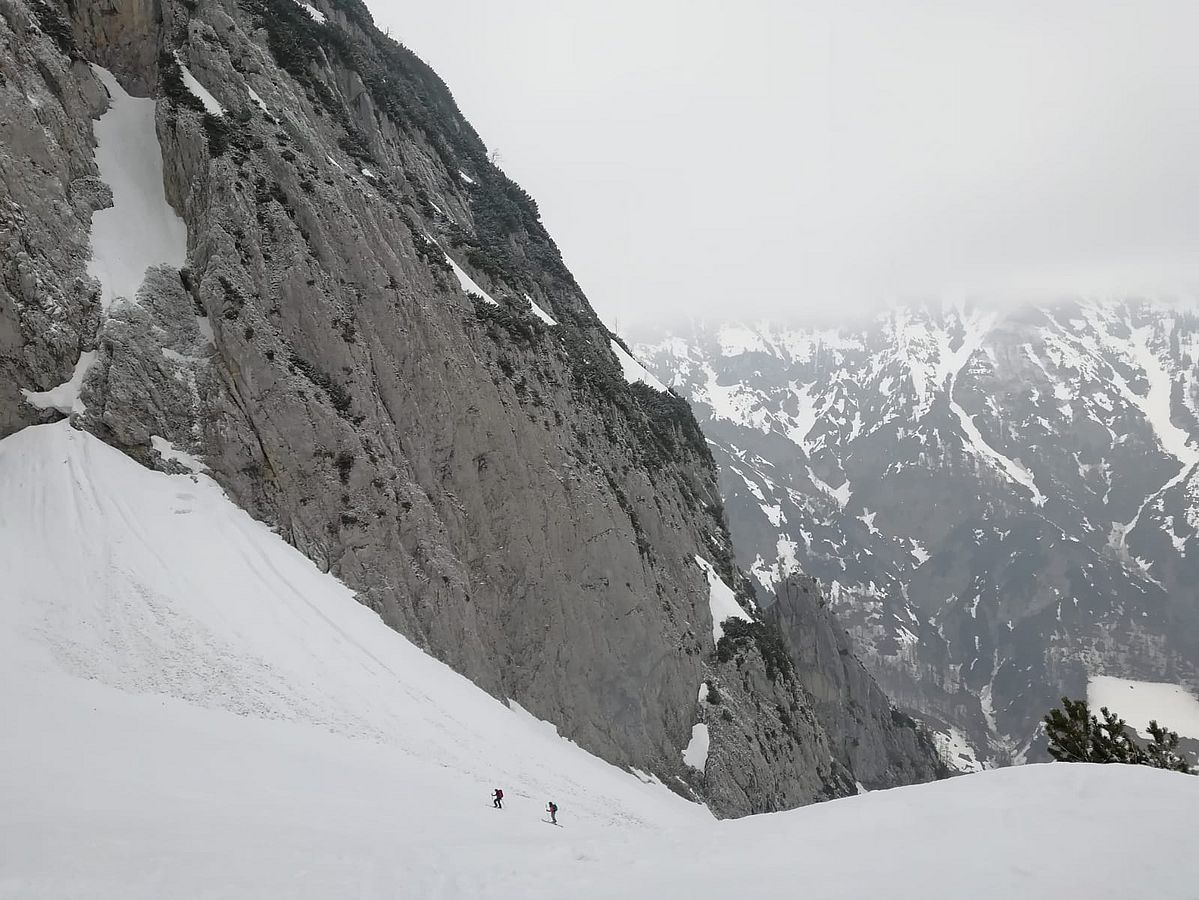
x=1113 y=742
x=1162 y=750
x=1075 y=735
x=1070 y=730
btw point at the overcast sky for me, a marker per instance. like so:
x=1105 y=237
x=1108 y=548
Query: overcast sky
x=767 y=157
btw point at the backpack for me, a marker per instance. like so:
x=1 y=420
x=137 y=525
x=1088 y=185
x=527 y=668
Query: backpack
x=553 y=807
x=499 y=795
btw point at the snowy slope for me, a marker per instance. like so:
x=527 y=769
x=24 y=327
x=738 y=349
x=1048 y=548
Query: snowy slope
x=157 y=585
x=193 y=709
x=140 y=229
x=1139 y=702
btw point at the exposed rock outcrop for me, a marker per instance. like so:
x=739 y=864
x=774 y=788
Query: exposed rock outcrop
x=881 y=745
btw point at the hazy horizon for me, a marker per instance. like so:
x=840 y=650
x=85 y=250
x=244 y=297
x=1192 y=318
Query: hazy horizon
x=802 y=159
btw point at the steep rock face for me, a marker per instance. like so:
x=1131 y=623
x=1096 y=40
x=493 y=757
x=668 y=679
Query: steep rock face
x=1000 y=505
x=48 y=191
x=879 y=744
x=360 y=350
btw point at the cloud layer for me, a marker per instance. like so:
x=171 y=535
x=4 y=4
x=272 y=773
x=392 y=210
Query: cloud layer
x=784 y=157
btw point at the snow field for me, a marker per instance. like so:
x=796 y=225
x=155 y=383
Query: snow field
x=634 y=371
x=192 y=709
x=140 y=229
x=1139 y=701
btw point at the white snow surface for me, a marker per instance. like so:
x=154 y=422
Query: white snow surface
x=465 y=177
x=171 y=453
x=261 y=104
x=210 y=102
x=140 y=229
x=722 y=602
x=468 y=284
x=736 y=339
x=1139 y=701
x=191 y=709
x=806 y=417
x=539 y=312
x=695 y=754
x=312 y=11
x=956 y=750
x=65 y=397
x=634 y=371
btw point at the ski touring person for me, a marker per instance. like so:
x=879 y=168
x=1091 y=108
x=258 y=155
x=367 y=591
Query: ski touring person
x=552 y=809
x=498 y=799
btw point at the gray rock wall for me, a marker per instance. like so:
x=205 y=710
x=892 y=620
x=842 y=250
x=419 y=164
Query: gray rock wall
x=867 y=734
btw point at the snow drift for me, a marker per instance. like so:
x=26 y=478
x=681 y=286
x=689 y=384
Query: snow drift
x=192 y=709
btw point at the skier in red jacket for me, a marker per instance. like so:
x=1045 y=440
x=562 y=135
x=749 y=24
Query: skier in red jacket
x=498 y=798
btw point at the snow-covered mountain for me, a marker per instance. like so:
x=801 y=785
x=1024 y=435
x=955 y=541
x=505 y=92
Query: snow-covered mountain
x=192 y=708
x=1001 y=505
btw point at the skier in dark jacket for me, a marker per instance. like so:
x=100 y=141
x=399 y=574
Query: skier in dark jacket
x=498 y=799
x=552 y=809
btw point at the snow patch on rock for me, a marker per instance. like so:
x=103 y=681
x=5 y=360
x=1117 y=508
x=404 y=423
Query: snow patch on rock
x=65 y=397
x=539 y=312
x=211 y=106
x=722 y=602
x=695 y=754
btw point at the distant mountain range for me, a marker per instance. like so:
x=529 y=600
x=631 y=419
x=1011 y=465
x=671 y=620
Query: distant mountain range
x=1002 y=505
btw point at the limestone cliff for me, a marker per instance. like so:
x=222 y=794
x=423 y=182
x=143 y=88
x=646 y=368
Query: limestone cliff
x=374 y=345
